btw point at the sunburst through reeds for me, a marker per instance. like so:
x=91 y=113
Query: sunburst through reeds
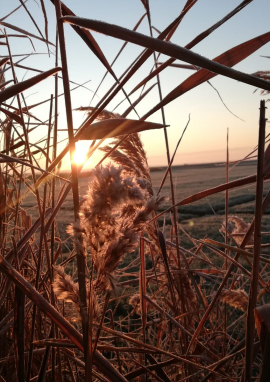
x=127 y=293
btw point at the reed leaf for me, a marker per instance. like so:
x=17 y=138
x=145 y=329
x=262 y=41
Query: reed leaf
x=13 y=90
x=229 y=58
x=17 y=29
x=194 y=42
x=169 y=49
x=114 y=127
x=88 y=39
x=11 y=115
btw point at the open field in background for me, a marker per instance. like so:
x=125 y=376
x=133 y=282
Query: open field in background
x=199 y=219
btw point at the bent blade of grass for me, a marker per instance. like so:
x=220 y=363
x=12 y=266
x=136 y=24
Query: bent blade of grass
x=211 y=191
x=3 y=61
x=8 y=158
x=11 y=115
x=229 y=58
x=14 y=27
x=13 y=90
x=21 y=36
x=88 y=39
x=173 y=50
x=4 y=84
x=234 y=249
x=194 y=42
x=114 y=127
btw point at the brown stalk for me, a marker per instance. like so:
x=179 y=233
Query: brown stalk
x=168 y=158
x=18 y=89
x=143 y=292
x=75 y=188
x=172 y=159
x=226 y=232
x=19 y=324
x=53 y=186
x=250 y=328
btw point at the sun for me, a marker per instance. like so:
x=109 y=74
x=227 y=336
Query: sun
x=79 y=157
x=81 y=151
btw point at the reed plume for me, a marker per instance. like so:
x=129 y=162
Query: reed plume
x=116 y=208
x=236 y=298
x=236 y=228
x=103 y=115
x=66 y=289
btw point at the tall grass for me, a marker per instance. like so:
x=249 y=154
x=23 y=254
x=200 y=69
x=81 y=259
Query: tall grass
x=128 y=301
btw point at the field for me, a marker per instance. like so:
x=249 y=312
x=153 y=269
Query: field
x=203 y=218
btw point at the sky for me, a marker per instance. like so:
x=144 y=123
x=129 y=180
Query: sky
x=205 y=138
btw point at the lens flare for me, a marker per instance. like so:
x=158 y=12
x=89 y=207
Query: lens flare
x=81 y=151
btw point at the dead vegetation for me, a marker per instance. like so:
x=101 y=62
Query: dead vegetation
x=129 y=301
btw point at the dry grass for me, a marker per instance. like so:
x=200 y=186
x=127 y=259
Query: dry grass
x=131 y=291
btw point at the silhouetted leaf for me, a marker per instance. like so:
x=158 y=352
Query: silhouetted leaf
x=229 y=58
x=172 y=50
x=88 y=39
x=13 y=90
x=14 y=27
x=113 y=127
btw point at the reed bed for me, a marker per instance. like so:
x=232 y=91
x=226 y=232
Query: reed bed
x=125 y=300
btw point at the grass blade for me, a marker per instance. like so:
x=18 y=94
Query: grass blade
x=114 y=127
x=13 y=90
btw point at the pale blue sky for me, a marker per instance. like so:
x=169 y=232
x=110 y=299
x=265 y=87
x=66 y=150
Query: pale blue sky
x=205 y=139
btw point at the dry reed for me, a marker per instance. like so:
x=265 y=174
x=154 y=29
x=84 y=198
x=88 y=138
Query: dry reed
x=77 y=295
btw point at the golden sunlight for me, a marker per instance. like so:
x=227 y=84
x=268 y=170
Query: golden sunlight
x=81 y=151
